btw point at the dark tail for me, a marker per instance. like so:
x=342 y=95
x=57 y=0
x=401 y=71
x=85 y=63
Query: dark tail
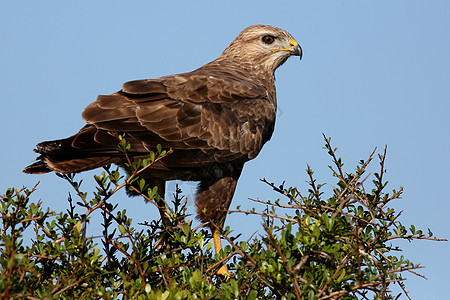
x=88 y=149
x=39 y=167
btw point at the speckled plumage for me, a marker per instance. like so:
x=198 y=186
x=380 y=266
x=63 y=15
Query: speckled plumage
x=214 y=118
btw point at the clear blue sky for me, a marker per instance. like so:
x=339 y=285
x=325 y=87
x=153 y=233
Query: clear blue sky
x=373 y=74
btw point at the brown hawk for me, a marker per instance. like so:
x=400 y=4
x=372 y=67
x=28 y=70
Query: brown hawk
x=214 y=118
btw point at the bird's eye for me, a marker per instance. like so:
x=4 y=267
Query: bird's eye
x=268 y=39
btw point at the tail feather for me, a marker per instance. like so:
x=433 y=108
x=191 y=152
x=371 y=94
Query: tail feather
x=78 y=153
x=38 y=167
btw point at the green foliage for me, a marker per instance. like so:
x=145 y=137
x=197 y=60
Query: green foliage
x=340 y=247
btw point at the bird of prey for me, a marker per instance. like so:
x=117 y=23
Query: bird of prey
x=215 y=119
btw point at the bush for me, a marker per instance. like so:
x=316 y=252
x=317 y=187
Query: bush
x=340 y=247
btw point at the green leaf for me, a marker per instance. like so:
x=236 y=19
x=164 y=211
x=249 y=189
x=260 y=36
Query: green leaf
x=77 y=227
x=122 y=229
x=341 y=276
x=152 y=156
x=141 y=184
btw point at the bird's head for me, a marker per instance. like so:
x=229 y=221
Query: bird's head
x=263 y=47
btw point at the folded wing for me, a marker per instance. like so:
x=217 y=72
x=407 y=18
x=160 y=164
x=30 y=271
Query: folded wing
x=215 y=118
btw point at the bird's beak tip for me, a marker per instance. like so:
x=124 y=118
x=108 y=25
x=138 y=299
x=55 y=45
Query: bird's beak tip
x=297 y=51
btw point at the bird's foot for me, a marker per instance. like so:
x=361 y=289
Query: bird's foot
x=223 y=271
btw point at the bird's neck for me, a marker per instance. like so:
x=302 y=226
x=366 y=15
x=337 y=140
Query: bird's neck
x=246 y=71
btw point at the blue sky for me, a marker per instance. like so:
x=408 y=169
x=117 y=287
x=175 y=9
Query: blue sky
x=373 y=74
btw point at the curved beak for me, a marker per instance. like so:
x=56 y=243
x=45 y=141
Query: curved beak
x=295 y=49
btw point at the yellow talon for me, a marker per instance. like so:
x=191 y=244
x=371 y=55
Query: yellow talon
x=224 y=272
x=218 y=246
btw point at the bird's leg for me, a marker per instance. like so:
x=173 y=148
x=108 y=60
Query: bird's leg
x=218 y=246
x=213 y=199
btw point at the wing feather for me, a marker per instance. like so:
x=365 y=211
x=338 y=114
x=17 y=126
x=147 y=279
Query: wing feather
x=221 y=116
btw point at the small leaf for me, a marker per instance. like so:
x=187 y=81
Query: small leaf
x=77 y=227
x=122 y=229
x=341 y=276
x=141 y=184
x=152 y=156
